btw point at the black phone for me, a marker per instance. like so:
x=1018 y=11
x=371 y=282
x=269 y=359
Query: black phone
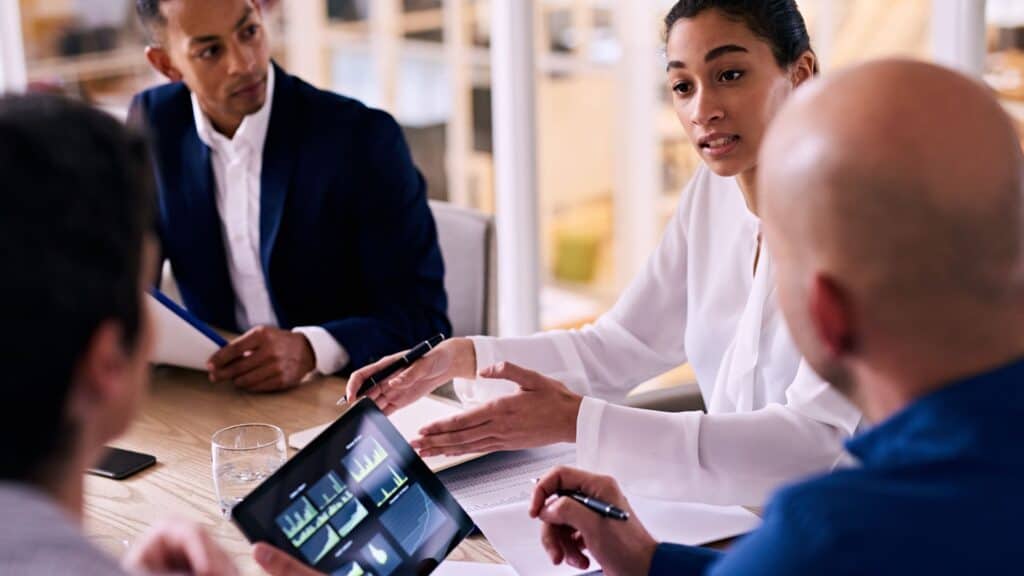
x=120 y=464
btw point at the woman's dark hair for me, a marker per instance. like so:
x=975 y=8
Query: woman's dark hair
x=777 y=22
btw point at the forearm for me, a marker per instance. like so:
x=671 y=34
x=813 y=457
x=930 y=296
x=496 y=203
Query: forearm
x=715 y=459
x=601 y=360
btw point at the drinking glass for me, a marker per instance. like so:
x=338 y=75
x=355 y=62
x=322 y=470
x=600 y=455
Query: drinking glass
x=243 y=456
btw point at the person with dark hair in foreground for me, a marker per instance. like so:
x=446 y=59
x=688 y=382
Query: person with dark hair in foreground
x=900 y=270
x=76 y=250
x=289 y=214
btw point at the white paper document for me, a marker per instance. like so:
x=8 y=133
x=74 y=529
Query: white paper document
x=516 y=536
x=453 y=568
x=178 y=343
x=504 y=477
x=496 y=490
x=409 y=421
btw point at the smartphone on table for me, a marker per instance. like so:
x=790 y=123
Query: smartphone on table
x=120 y=464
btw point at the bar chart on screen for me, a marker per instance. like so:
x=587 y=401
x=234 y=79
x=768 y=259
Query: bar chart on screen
x=365 y=456
x=369 y=463
x=350 y=515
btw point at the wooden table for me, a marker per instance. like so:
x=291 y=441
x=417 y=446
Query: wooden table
x=178 y=418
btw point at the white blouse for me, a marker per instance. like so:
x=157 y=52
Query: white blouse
x=770 y=418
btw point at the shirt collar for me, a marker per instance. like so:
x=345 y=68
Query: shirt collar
x=251 y=133
x=979 y=416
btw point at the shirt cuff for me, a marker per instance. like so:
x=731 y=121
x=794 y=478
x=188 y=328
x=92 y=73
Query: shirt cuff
x=676 y=560
x=486 y=352
x=588 y=431
x=479 y=390
x=328 y=355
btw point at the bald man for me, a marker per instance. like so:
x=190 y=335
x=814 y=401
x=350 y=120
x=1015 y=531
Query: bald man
x=892 y=201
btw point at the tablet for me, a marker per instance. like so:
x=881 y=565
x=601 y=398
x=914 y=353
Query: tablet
x=356 y=501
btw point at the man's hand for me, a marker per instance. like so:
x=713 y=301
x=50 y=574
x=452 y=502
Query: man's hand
x=453 y=358
x=278 y=563
x=179 y=548
x=543 y=412
x=621 y=548
x=263 y=359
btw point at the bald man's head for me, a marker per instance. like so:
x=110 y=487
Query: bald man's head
x=892 y=199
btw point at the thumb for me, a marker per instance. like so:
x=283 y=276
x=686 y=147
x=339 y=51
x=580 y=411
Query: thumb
x=277 y=563
x=565 y=511
x=526 y=379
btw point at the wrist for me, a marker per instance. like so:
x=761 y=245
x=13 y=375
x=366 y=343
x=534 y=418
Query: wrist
x=307 y=356
x=465 y=358
x=645 y=555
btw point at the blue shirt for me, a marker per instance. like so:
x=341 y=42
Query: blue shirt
x=939 y=492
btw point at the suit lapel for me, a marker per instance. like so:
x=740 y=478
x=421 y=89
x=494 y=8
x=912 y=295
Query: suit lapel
x=279 y=155
x=201 y=206
x=199 y=171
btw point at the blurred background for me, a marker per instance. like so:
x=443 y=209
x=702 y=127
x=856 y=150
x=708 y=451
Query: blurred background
x=610 y=157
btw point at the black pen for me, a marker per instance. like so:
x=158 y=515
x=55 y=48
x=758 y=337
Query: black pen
x=405 y=361
x=603 y=508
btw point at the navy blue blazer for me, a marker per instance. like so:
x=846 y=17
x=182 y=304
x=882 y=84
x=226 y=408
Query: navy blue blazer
x=347 y=240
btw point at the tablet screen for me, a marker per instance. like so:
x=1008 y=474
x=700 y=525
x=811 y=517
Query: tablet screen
x=357 y=500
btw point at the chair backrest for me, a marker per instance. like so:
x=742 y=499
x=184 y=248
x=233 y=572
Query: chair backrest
x=467 y=245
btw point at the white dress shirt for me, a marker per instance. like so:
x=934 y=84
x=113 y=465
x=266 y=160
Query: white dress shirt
x=237 y=167
x=770 y=418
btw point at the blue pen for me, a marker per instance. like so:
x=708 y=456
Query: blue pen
x=188 y=317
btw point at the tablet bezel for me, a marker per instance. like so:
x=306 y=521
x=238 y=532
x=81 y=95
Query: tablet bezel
x=417 y=471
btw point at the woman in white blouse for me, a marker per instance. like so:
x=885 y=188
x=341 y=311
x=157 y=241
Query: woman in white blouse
x=705 y=297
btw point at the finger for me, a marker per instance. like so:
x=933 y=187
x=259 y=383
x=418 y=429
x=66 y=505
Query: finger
x=237 y=348
x=463 y=421
x=572 y=551
x=561 y=545
x=489 y=444
x=526 y=379
x=233 y=370
x=356 y=379
x=551 y=542
x=199 y=550
x=562 y=478
x=429 y=372
x=393 y=403
x=374 y=391
x=137 y=559
x=251 y=380
x=158 y=551
x=572 y=543
x=277 y=563
x=380 y=400
x=565 y=511
x=218 y=561
x=456 y=438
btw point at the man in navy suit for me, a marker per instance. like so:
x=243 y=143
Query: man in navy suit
x=290 y=214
